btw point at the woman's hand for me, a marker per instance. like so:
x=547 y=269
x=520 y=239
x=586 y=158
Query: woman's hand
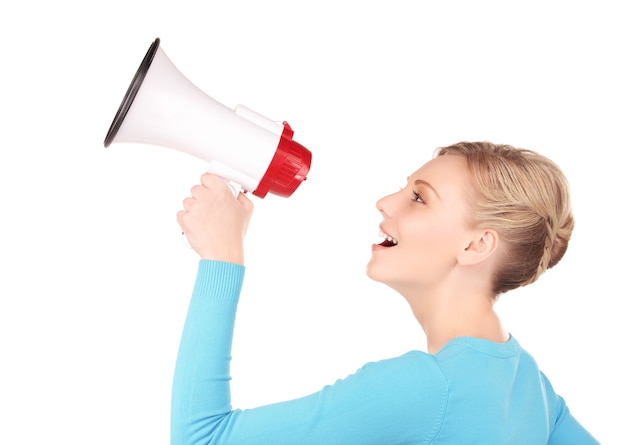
x=214 y=221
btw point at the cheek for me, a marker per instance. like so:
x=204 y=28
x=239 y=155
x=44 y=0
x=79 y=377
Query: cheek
x=430 y=242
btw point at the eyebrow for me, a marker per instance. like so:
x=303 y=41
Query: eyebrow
x=427 y=184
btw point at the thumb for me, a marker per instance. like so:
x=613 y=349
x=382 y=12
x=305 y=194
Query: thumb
x=247 y=206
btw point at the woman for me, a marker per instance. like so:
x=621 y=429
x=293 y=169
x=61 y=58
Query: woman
x=474 y=222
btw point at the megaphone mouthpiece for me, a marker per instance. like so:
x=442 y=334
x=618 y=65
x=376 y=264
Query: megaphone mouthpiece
x=162 y=107
x=288 y=168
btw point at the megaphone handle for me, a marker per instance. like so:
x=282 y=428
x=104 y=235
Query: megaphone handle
x=235 y=188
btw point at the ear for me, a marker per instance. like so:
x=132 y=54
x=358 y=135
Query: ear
x=479 y=248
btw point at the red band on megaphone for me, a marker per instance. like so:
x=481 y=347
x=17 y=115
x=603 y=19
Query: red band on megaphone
x=289 y=167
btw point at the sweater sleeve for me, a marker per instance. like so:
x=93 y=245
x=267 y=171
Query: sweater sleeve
x=201 y=387
x=399 y=400
x=569 y=431
x=565 y=429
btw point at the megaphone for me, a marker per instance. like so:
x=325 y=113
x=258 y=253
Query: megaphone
x=162 y=107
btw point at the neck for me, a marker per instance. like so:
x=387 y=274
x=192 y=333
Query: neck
x=448 y=315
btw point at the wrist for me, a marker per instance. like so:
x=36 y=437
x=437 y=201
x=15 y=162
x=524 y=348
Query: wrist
x=234 y=256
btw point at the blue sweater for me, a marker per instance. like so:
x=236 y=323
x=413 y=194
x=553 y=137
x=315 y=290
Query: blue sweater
x=472 y=391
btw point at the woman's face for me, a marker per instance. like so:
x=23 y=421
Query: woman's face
x=426 y=224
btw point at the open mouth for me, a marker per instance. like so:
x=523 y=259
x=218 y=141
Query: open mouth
x=389 y=241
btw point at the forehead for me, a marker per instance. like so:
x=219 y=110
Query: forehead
x=444 y=169
x=449 y=177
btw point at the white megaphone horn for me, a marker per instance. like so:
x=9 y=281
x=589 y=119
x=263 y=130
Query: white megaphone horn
x=162 y=107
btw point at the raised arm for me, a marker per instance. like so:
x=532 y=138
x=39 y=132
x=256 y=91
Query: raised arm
x=401 y=399
x=201 y=388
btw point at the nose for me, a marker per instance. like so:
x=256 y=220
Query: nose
x=383 y=205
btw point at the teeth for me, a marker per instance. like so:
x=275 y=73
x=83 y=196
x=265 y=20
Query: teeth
x=388 y=238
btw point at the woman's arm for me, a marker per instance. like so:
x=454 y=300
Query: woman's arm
x=400 y=400
x=565 y=428
x=201 y=388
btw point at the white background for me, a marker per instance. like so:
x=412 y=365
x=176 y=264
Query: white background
x=95 y=280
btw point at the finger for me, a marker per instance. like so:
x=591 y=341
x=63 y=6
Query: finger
x=211 y=181
x=197 y=190
x=188 y=203
x=180 y=218
x=246 y=203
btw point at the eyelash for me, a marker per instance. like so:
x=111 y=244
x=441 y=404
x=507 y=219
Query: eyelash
x=417 y=197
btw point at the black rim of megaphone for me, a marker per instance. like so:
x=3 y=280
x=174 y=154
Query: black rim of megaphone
x=131 y=93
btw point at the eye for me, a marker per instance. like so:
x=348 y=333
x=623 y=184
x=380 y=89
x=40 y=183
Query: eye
x=417 y=197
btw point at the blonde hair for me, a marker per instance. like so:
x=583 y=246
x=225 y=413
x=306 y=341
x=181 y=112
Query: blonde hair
x=523 y=196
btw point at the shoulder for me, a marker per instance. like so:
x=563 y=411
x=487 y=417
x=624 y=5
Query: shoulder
x=554 y=402
x=410 y=363
x=564 y=427
x=414 y=375
x=410 y=391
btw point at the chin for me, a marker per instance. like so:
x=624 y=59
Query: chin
x=385 y=275
x=372 y=272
